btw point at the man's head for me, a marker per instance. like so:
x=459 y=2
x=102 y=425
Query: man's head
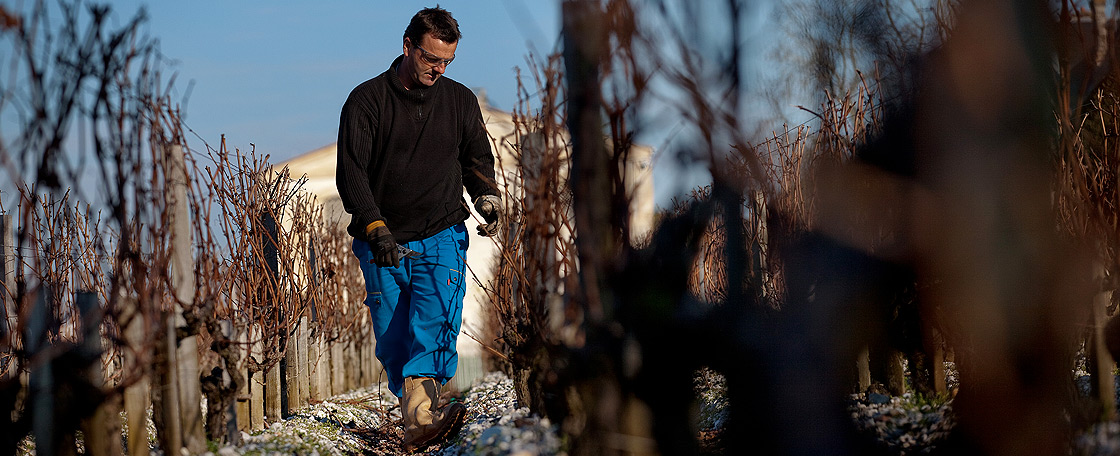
x=429 y=46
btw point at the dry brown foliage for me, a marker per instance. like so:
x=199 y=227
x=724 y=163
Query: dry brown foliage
x=95 y=218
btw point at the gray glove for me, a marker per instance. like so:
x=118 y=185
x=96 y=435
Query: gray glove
x=490 y=208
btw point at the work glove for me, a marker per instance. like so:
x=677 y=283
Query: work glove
x=382 y=244
x=490 y=208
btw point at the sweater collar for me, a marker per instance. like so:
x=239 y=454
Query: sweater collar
x=418 y=95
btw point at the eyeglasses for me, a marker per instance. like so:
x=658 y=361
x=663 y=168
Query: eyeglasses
x=432 y=59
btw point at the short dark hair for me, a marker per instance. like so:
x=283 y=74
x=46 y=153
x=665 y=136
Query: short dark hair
x=436 y=21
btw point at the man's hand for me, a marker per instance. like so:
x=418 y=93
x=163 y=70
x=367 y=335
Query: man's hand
x=490 y=208
x=383 y=245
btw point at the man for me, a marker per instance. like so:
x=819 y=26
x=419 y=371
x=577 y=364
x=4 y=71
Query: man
x=409 y=141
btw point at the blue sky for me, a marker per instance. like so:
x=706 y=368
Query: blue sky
x=274 y=74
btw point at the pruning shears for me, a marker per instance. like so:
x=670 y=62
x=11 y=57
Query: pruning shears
x=407 y=252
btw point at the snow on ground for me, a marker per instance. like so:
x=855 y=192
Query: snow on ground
x=367 y=421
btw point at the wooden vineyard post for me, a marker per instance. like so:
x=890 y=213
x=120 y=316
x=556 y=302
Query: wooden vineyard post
x=102 y=429
x=183 y=286
x=301 y=360
x=256 y=384
x=325 y=363
x=309 y=322
x=323 y=367
x=272 y=391
x=297 y=367
x=41 y=386
x=338 y=366
x=170 y=431
x=8 y=366
x=1101 y=364
x=136 y=396
x=863 y=369
x=365 y=354
x=270 y=295
x=312 y=366
x=352 y=366
x=329 y=355
x=291 y=371
x=886 y=366
x=244 y=394
x=232 y=426
x=317 y=361
x=297 y=337
x=937 y=356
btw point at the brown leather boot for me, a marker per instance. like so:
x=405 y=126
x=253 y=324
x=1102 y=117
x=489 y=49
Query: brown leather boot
x=424 y=422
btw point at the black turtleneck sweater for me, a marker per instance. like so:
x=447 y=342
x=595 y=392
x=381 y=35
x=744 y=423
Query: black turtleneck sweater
x=404 y=156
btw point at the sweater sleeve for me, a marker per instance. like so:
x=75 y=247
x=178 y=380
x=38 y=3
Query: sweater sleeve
x=355 y=150
x=475 y=154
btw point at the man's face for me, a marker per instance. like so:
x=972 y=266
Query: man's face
x=424 y=62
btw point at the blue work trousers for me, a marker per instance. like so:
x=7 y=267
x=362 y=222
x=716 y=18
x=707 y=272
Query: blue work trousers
x=417 y=308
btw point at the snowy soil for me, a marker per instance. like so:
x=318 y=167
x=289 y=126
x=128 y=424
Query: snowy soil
x=903 y=425
x=368 y=422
